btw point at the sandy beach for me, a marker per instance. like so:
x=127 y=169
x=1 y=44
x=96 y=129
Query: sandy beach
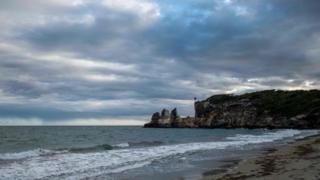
x=297 y=160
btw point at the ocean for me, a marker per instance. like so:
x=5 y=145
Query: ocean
x=128 y=152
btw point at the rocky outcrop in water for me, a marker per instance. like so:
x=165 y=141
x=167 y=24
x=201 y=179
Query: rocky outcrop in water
x=264 y=109
x=167 y=120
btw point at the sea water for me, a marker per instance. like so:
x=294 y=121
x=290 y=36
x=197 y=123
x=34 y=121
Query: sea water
x=127 y=152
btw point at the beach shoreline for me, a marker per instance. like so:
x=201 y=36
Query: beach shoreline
x=296 y=160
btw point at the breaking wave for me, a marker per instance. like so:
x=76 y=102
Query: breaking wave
x=29 y=154
x=102 y=147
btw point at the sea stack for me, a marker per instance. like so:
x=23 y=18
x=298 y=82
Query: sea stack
x=170 y=120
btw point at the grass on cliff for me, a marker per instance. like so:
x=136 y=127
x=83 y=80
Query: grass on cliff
x=284 y=103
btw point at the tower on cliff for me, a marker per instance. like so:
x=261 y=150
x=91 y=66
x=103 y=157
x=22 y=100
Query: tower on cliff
x=194 y=107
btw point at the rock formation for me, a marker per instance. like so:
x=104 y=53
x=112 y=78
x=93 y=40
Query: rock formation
x=264 y=109
x=172 y=119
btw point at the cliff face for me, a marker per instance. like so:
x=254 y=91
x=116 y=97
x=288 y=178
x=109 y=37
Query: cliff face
x=264 y=109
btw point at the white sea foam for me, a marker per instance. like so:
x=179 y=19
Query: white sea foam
x=266 y=137
x=77 y=166
x=121 y=145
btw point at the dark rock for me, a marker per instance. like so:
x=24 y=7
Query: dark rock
x=155 y=117
x=174 y=115
x=163 y=120
x=165 y=114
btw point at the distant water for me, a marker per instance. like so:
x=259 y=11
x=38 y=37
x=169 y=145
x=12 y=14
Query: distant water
x=126 y=152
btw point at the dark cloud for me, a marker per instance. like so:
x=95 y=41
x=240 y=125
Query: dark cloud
x=100 y=59
x=245 y=45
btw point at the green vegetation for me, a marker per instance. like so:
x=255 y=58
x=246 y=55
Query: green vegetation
x=283 y=103
x=221 y=98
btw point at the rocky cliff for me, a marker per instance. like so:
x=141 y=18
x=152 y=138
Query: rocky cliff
x=264 y=109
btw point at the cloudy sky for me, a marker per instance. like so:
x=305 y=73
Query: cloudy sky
x=112 y=62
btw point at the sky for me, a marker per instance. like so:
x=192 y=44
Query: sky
x=115 y=62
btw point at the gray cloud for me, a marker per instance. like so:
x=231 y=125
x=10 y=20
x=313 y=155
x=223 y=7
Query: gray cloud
x=96 y=59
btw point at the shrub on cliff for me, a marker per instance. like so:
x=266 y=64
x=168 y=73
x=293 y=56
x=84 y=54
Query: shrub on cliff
x=277 y=102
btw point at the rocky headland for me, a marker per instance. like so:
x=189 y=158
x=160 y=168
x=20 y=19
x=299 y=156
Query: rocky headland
x=264 y=109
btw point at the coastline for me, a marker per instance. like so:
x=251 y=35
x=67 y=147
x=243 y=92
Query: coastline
x=147 y=154
x=299 y=159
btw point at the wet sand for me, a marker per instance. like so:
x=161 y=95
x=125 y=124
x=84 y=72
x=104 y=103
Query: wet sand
x=297 y=160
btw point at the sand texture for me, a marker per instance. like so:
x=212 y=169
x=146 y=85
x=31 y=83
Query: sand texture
x=298 y=160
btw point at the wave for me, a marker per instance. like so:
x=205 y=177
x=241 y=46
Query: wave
x=86 y=165
x=266 y=137
x=48 y=152
x=138 y=144
x=30 y=153
x=105 y=147
x=90 y=149
x=145 y=143
x=102 y=147
x=121 y=145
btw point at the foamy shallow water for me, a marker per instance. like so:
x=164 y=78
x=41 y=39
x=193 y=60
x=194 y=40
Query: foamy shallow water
x=63 y=164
